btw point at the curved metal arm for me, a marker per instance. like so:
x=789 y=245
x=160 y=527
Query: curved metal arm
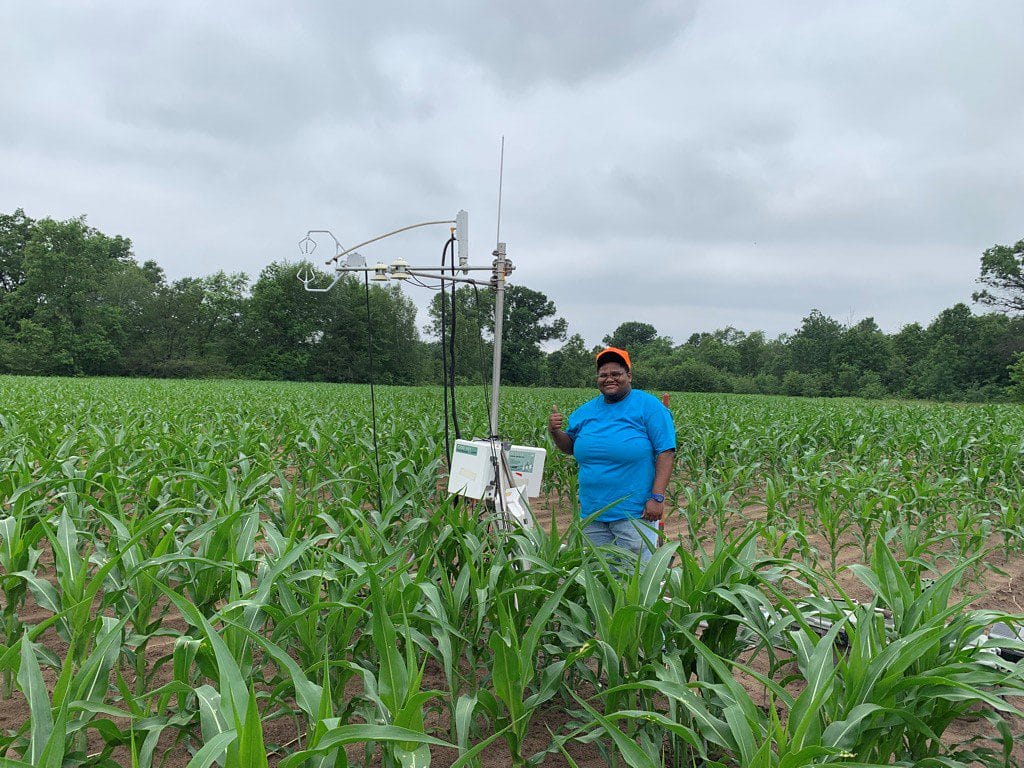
x=389 y=234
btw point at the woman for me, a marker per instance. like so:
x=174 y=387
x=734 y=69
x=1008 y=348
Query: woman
x=624 y=442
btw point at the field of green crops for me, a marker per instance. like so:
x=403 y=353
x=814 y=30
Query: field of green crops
x=213 y=573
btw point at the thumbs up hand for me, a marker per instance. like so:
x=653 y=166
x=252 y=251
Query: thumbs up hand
x=555 y=420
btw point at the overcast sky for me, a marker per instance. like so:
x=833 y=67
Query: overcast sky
x=692 y=165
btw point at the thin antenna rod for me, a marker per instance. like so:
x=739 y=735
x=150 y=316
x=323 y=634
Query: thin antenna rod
x=501 y=174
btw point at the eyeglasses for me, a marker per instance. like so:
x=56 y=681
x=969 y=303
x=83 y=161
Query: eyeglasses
x=612 y=375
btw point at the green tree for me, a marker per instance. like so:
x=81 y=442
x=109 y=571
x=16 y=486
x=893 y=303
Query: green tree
x=720 y=349
x=753 y=353
x=343 y=344
x=1016 y=388
x=864 y=346
x=138 y=292
x=399 y=356
x=530 y=319
x=694 y=376
x=943 y=373
x=284 y=324
x=631 y=336
x=15 y=231
x=806 y=384
x=908 y=347
x=643 y=342
x=572 y=365
x=472 y=351
x=813 y=347
x=1003 y=277
x=199 y=326
x=862 y=349
x=61 y=298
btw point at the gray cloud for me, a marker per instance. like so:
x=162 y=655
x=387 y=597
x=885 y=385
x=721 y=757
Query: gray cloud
x=690 y=165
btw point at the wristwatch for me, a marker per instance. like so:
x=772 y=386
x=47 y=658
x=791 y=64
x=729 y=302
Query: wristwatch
x=658 y=497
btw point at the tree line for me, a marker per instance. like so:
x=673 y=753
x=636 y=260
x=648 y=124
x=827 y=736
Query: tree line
x=75 y=301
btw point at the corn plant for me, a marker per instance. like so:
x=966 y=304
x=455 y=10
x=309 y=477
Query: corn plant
x=394 y=687
x=20 y=534
x=58 y=721
x=510 y=701
x=219 y=555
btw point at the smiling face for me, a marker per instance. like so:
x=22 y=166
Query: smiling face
x=614 y=381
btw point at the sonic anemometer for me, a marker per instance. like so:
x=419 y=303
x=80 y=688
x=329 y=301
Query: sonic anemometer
x=484 y=468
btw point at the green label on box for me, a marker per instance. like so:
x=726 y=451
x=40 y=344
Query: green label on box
x=520 y=461
x=471 y=450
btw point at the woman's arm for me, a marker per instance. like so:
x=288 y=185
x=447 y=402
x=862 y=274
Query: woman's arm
x=655 y=510
x=560 y=438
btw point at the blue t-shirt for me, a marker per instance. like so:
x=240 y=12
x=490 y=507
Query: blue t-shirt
x=615 y=445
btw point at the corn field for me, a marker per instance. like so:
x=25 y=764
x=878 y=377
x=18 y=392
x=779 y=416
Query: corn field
x=216 y=573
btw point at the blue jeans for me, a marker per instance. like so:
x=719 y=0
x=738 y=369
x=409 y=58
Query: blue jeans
x=634 y=534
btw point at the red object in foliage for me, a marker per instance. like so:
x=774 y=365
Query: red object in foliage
x=664 y=399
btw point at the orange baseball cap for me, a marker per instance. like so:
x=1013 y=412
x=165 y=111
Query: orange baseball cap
x=611 y=353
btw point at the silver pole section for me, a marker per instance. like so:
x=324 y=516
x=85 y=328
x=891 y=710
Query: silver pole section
x=499 y=317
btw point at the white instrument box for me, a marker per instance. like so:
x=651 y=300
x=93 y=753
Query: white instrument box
x=473 y=469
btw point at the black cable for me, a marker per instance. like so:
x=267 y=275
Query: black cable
x=416 y=281
x=444 y=360
x=451 y=350
x=373 y=398
x=496 y=465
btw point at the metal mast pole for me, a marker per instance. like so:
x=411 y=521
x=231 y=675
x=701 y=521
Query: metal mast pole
x=499 y=316
x=499 y=302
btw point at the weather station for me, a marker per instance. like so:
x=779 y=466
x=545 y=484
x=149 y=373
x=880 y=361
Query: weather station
x=491 y=469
